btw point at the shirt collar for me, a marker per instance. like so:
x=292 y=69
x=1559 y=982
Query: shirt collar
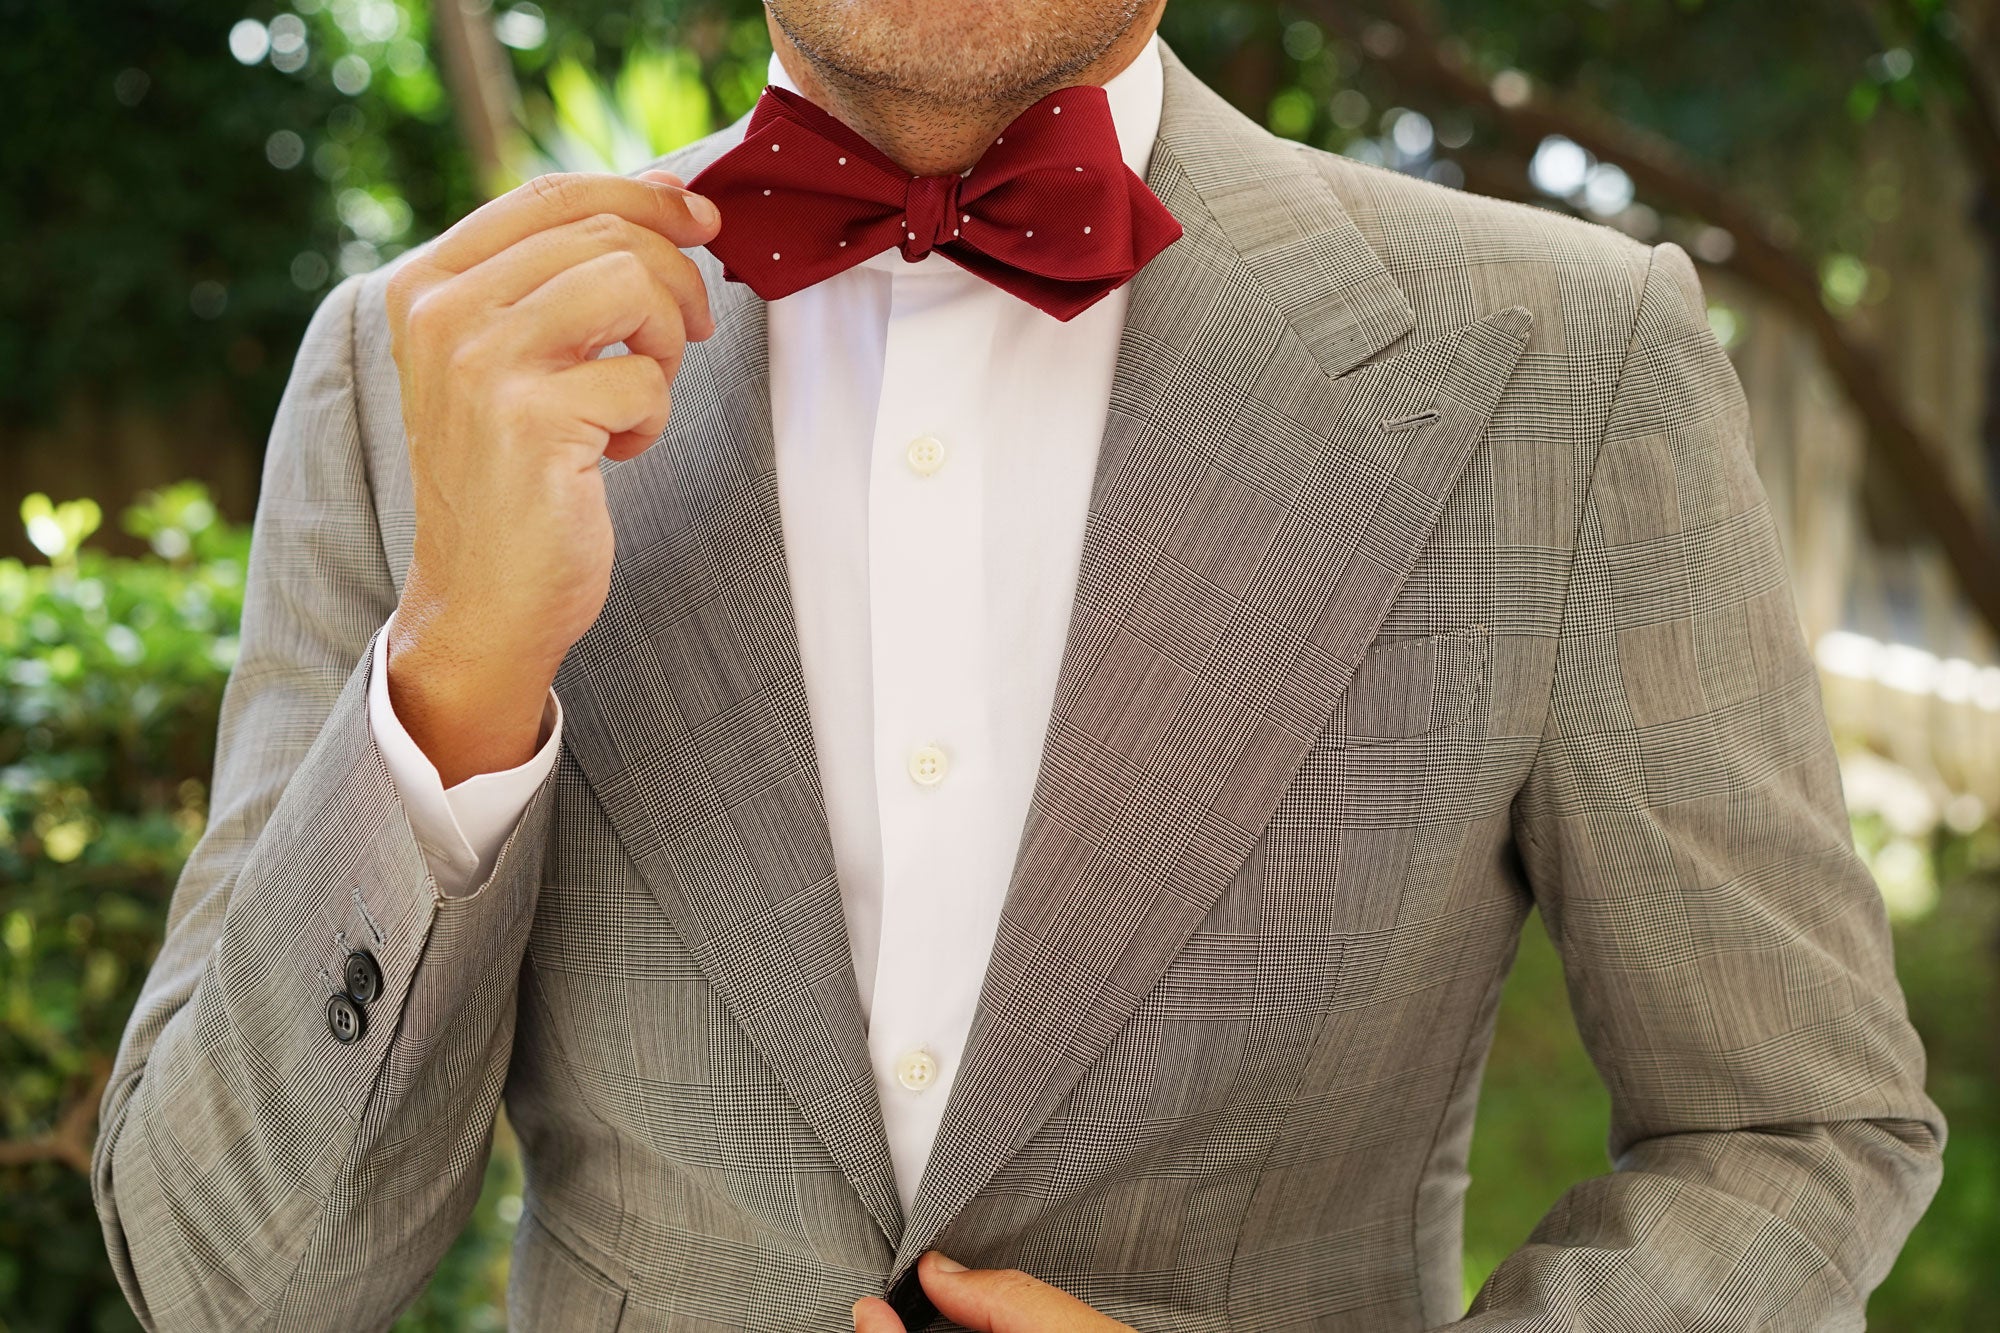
x=1134 y=94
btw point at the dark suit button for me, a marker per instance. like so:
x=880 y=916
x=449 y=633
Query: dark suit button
x=910 y=1301
x=344 y=1016
x=364 y=978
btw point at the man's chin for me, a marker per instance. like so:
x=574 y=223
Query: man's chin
x=986 y=51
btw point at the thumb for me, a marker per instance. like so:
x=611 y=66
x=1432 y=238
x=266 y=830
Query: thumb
x=1002 y=1300
x=701 y=209
x=873 y=1315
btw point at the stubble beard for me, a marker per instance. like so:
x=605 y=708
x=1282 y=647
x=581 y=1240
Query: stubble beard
x=966 y=57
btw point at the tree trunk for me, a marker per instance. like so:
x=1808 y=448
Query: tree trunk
x=484 y=96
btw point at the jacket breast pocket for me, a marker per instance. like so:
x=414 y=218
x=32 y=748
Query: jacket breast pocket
x=1412 y=687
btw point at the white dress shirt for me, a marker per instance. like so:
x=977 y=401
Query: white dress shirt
x=935 y=441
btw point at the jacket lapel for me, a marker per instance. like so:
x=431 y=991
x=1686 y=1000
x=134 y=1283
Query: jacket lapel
x=1258 y=503
x=686 y=708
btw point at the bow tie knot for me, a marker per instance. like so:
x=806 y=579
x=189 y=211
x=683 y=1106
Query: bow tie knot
x=931 y=216
x=1049 y=214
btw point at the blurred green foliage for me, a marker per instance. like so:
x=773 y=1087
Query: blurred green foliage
x=173 y=215
x=111 y=672
x=111 y=677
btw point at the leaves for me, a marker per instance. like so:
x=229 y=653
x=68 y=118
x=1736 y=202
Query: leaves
x=110 y=683
x=58 y=530
x=171 y=217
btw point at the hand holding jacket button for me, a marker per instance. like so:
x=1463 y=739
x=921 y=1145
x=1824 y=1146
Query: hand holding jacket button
x=363 y=976
x=345 y=1018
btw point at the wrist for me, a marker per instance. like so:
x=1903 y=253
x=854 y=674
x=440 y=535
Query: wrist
x=470 y=708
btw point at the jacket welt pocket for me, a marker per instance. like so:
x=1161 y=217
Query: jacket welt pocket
x=1411 y=687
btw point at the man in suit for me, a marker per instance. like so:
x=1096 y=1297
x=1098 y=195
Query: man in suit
x=1049 y=780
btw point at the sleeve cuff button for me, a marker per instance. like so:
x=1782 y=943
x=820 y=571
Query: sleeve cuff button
x=345 y=1019
x=363 y=976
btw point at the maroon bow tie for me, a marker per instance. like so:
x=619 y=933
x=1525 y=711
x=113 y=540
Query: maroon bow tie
x=1050 y=213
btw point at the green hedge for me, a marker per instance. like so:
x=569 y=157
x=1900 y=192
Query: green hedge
x=112 y=671
x=111 y=675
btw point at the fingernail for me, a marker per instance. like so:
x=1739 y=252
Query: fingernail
x=944 y=1263
x=702 y=210
x=856 y=1312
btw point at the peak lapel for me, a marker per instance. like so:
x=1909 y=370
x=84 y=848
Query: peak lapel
x=1258 y=503
x=686 y=708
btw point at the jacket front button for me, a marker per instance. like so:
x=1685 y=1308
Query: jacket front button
x=364 y=977
x=344 y=1016
x=910 y=1301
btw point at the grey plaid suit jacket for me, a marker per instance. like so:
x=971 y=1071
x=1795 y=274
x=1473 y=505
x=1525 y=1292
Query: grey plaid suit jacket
x=1427 y=579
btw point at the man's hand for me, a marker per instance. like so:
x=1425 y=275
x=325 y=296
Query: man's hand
x=991 y=1300
x=496 y=330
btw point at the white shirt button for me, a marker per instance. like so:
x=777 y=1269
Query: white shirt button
x=925 y=455
x=916 y=1070
x=927 y=765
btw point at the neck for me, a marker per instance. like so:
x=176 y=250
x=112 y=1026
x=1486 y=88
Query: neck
x=927 y=136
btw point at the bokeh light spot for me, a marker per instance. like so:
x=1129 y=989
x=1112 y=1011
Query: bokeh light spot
x=1725 y=324
x=288 y=32
x=310 y=270
x=1713 y=245
x=524 y=27
x=1560 y=167
x=130 y=86
x=351 y=74
x=1511 y=88
x=1607 y=190
x=249 y=41
x=284 y=149
x=1303 y=39
x=289 y=51
x=208 y=299
x=1291 y=114
x=1412 y=134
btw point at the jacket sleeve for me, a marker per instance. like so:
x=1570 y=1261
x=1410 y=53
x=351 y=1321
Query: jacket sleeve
x=1726 y=953
x=251 y=1170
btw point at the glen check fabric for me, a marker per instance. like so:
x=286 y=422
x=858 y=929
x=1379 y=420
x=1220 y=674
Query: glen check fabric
x=1427 y=577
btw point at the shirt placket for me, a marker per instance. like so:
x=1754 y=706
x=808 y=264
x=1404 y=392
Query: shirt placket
x=934 y=755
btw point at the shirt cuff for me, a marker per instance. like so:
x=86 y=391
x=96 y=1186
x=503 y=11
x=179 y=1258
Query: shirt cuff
x=461 y=830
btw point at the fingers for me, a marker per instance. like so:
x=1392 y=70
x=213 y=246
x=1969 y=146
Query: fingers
x=553 y=200
x=872 y=1315
x=612 y=298
x=621 y=402
x=519 y=269
x=1004 y=1300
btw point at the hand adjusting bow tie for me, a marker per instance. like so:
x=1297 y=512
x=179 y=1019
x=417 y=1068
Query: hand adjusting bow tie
x=1050 y=213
